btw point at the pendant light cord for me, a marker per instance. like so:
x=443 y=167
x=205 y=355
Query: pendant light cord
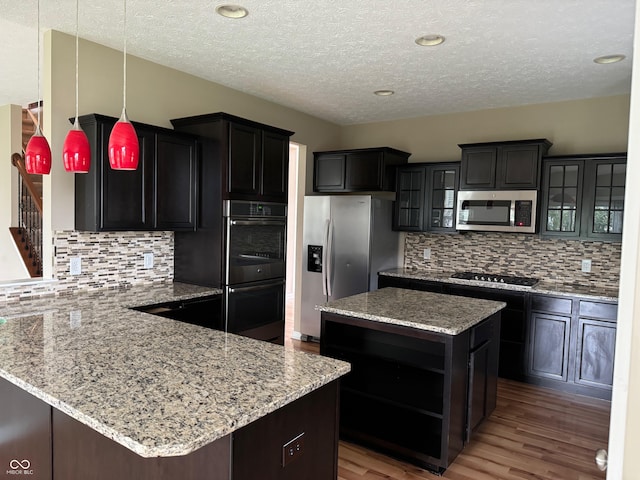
x=77 y=17
x=38 y=33
x=124 y=81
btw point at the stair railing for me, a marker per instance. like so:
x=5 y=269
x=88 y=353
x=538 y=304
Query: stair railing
x=29 y=214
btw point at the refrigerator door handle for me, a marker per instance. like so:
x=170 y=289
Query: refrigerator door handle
x=329 y=263
x=324 y=258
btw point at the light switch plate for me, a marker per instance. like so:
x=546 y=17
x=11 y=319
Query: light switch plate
x=75 y=266
x=586 y=266
x=426 y=254
x=148 y=260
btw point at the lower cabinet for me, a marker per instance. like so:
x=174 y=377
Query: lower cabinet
x=549 y=346
x=561 y=342
x=596 y=344
x=25 y=435
x=44 y=443
x=573 y=344
x=409 y=391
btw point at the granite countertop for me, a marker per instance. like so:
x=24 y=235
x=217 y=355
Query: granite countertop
x=157 y=386
x=586 y=291
x=434 y=312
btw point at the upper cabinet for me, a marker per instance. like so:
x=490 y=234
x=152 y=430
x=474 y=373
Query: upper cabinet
x=583 y=196
x=359 y=170
x=409 y=206
x=426 y=197
x=159 y=195
x=514 y=165
x=250 y=159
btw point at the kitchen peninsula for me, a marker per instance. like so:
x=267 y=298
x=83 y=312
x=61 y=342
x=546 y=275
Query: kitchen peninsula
x=93 y=389
x=424 y=370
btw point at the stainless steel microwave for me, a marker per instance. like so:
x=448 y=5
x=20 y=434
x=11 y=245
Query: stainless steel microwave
x=497 y=210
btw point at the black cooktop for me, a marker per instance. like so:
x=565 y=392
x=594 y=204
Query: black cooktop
x=491 y=278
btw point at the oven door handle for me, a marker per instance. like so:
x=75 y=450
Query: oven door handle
x=254 y=288
x=259 y=222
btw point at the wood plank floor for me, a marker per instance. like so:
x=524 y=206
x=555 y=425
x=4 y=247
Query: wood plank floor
x=534 y=433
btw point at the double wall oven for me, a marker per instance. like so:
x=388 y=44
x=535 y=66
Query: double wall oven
x=254 y=269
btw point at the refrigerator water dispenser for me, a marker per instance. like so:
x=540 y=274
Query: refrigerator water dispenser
x=314 y=258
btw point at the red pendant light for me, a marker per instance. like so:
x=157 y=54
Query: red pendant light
x=37 y=155
x=124 y=149
x=76 y=153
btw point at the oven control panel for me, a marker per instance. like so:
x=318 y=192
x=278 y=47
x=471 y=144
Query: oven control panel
x=314 y=258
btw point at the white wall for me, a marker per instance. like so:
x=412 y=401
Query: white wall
x=12 y=266
x=624 y=435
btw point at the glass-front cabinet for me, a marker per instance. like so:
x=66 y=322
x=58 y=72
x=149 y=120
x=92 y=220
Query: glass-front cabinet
x=426 y=197
x=606 y=209
x=583 y=197
x=562 y=200
x=441 y=196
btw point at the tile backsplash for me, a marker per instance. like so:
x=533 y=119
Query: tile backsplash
x=113 y=259
x=107 y=260
x=516 y=254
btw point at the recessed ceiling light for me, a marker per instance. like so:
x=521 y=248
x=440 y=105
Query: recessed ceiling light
x=384 y=93
x=232 y=11
x=430 y=40
x=605 y=59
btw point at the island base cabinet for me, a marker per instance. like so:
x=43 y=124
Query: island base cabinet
x=25 y=434
x=299 y=441
x=408 y=393
x=82 y=453
x=306 y=429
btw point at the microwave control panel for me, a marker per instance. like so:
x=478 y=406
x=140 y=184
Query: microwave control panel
x=523 y=213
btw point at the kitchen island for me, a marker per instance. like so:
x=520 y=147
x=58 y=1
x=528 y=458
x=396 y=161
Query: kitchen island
x=93 y=389
x=424 y=370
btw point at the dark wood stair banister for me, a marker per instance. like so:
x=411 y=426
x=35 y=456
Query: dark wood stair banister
x=28 y=235
x=18 y=162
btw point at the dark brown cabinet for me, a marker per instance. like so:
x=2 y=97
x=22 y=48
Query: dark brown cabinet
x=596 y=342
x=409 y=391
x=426 y=197
x=357 y=170
x=550 y=337
x=513 y=326
x=484 y=343
x=244 y=160
x=159 y=195
x=25 y=422
x=549 y=346
x=409 y=206
x=561 y=342
x=514 y=165
x=583 y=196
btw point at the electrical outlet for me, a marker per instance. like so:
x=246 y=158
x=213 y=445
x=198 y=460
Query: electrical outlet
x=586 y=266
x=148 y=260
x=292 y=449
x=426 y=254
x=75 y=266
x=75 y=318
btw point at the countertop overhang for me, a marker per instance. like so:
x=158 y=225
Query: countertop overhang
x=156 y=386
x=434 y=312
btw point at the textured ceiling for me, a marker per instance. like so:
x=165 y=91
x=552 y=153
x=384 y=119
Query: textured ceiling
x=325 y=57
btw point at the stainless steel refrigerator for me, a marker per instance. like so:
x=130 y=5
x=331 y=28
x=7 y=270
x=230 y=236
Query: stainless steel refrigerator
x=347 y=239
